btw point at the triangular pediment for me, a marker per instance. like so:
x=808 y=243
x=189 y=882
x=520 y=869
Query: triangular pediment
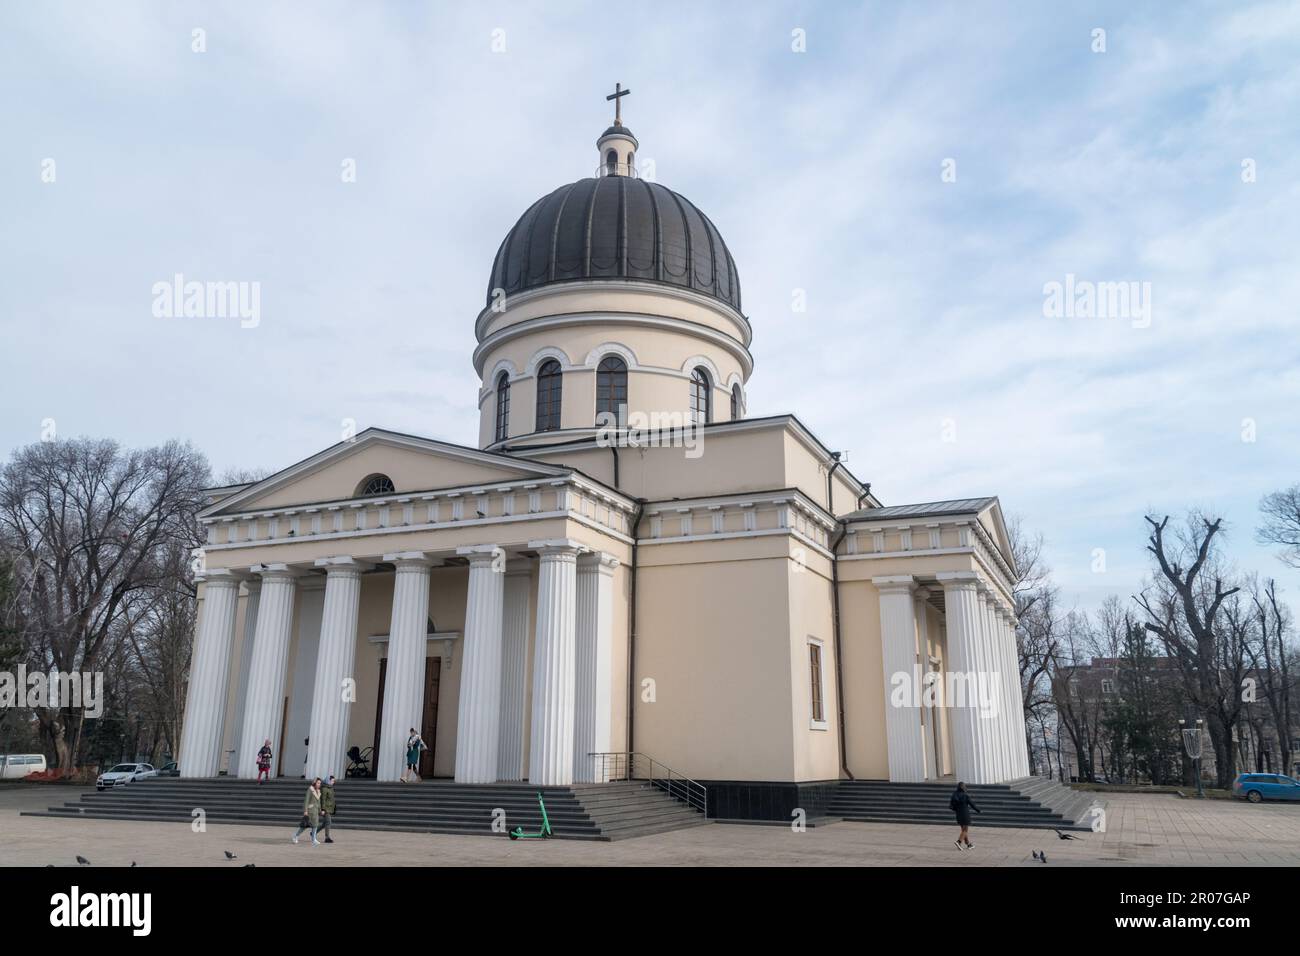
x=412 y=464
x=995 y=524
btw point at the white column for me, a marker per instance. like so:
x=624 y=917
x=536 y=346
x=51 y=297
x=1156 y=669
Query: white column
x=514 y=671
x=1004 y=666
x=997 y=665
x=961 y=612
x=919 y=599
x=205 y=706
x=335 y=689
x=478 y=725
x=992 y=721
x=550 y=746
x=594 y=653
x=404 y=679
x=905 y=738
x=251 y=602
x=264 y=706
x=1020 y=759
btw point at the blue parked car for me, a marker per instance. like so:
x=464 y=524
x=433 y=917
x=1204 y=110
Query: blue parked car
x=1265 y=786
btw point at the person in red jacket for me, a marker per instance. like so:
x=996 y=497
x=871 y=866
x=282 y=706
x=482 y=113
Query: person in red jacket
x=264 y=762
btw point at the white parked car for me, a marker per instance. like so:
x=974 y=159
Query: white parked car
x=17 y=766
x=123 y=774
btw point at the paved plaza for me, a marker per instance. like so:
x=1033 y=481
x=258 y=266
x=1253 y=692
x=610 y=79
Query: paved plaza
x=1142 y=830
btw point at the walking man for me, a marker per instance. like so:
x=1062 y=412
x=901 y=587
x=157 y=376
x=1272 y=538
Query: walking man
x=961 y=804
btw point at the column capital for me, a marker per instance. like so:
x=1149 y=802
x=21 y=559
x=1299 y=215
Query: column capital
x=343 y=564
x=597 y=561
x=410 y=559
x=269 y=572
x=221 y=577
x=894 y=583
x=958 y=580
x=557 y=546
x=482 y=554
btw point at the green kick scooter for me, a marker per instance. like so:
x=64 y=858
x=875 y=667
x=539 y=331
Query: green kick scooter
x=544 y=833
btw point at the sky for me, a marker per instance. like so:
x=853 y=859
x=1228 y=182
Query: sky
x=900 y=185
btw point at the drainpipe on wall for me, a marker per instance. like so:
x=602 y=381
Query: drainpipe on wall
x=866 y=493
x=842 y=530
x=835 y=628
x=631 y=632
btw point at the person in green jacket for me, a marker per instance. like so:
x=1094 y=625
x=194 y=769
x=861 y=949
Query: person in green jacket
x=310 y=812
x=327 y=806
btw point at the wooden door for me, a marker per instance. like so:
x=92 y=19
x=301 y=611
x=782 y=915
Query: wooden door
x=284 y=722
x=429 y=730
x=379 y=717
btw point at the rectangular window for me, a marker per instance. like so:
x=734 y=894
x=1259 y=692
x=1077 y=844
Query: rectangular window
x=818 y=685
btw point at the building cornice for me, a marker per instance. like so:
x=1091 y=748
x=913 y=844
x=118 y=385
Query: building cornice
x=619 y=285
x=546 y=323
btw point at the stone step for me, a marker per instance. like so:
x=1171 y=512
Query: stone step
x=367 y=825
x=1030 y=802
x=624 y=809
x=210 y=800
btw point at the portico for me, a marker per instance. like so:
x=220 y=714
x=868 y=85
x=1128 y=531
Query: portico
x=943 y=592
x=517 y=618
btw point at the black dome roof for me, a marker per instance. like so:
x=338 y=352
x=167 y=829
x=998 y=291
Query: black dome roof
x=615 y=227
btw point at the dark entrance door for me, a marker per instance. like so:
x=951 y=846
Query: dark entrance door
x=429 y=730
x=432 y=673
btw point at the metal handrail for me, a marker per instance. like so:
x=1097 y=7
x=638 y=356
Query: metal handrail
x=610 y=767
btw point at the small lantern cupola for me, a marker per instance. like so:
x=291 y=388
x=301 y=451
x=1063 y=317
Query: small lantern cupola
x=617 y=146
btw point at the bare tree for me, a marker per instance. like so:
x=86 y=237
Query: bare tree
x=1183 y=607
x=1078 y=703
x=1281 y=511
x=88 y=526
x=1035 y=598
x=1272 y=660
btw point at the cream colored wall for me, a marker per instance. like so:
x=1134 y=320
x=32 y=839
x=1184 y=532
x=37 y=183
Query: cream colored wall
x=618 y=659
x=664 y=390
x=807 y=470
x=714 y=639
x=864 y=689
x=409 y=469
x=816 y=752
x=728 y=463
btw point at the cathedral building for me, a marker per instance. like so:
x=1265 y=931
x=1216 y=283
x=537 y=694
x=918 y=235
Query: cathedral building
x=627 y=562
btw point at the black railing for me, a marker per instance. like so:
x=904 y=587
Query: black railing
x=614 y=767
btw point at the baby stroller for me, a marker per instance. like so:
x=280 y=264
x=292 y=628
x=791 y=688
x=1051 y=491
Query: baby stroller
x=358 y=762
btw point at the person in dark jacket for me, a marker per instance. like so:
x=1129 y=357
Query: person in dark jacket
x=961 y=804
x=327 y=806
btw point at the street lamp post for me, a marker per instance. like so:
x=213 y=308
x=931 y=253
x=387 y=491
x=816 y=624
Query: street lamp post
x=1192 y=744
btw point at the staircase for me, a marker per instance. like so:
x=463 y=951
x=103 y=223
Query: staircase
x=1031 y=802
x=585 y=812
x=634 y=809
